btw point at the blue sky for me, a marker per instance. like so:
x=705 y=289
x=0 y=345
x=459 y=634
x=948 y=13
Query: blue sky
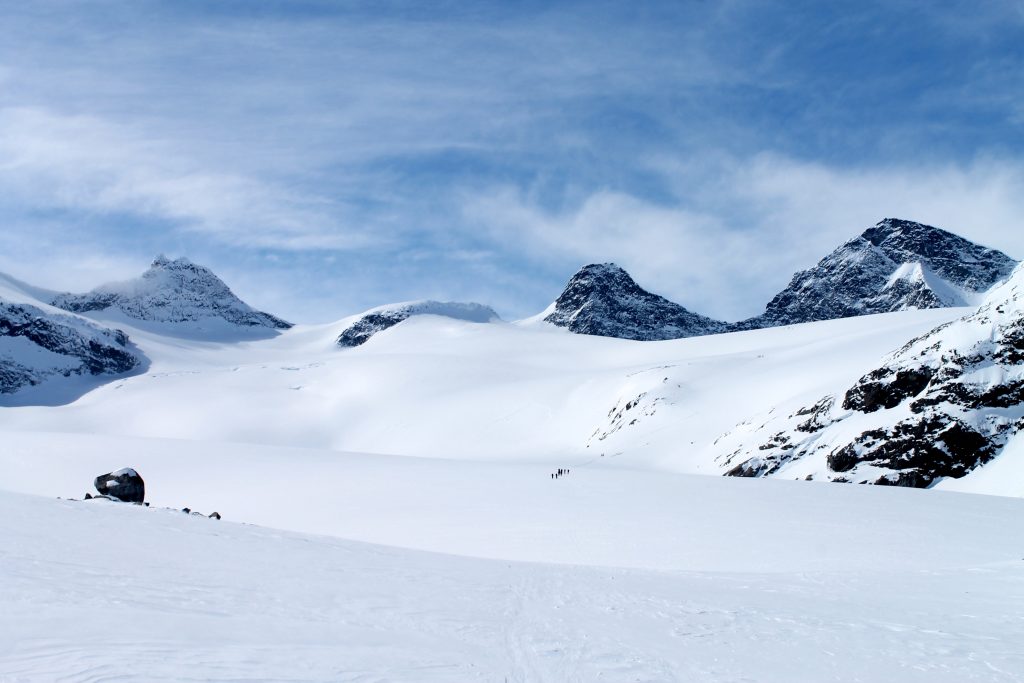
x=326 y=157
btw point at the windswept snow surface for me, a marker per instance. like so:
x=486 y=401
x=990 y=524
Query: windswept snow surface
x=646 y=576
x=436 y=386
x=468 y=561
x=376 y=320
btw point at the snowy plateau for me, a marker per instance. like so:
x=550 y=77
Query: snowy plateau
x=391 y=511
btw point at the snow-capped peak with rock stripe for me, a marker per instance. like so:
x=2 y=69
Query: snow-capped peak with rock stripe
x=172 y=291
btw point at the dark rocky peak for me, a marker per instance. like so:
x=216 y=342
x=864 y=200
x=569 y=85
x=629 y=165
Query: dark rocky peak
x=602 y=299
x=602 y=278
x=894 y=265
x=951 y=257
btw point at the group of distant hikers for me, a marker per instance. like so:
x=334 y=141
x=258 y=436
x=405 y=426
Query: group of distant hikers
x=560 y=472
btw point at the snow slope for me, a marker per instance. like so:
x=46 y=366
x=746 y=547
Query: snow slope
x=602 y=575
x=515 y=511
x=942 y=405
x=49 y=356
x=469 y=561
x=365 y=325
x=439 y=386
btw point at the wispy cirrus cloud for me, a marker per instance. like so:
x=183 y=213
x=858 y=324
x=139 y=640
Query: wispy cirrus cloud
x=751 y=222
x=81 y=163
x=331 y=156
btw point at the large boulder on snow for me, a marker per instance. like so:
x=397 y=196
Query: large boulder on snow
x=124 y=484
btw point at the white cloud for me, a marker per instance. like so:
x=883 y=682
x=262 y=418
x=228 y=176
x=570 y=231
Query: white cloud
x=691 y=257
x=357 y=129
x=982 y=201
x=86 y=164
x=757 y=222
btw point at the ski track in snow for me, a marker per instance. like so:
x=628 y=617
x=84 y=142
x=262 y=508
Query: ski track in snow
x=97 y=591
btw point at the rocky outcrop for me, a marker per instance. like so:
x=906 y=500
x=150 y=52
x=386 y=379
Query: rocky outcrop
x=941 y=406
x=172 y=291
x=603 y=300
x=125 y=485
x=377 y=320
x=895 y=265
x=37 y=344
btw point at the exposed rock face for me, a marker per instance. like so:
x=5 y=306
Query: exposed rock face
x=602 y=299
x=941 y=406
x=177 y=291
x=125 y=485
x=380 y=319
x=37 y=344
x=893 y=266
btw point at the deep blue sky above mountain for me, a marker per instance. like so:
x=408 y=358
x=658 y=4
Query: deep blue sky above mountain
x=325 y=157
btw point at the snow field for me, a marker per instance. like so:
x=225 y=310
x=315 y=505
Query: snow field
x=434 y=386
x=593 y=516
x=99 y=591
x=410 y=530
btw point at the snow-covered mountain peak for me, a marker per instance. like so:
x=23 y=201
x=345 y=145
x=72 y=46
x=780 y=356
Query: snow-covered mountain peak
x=954 y=259
x=892 y=266
x=602 y=299
x=605 y=275
x=179 y=273
x=173 y=292
x=383 y=317
x=162 y=261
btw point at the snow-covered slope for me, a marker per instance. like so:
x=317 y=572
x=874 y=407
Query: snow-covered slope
x=942 y=405
x=36 y=346
x=378 y=319
x=436 y=385
x=49 y=356
x=174 y=297
x=600 y=576
x=602 y=299
x=470 y=561
x=893 y=266
x=440 y=385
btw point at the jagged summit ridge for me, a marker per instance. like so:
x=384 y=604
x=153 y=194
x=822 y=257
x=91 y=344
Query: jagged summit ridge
x=894 y=265
x=384 y=317
x=970 y=266
x=172 y=291
x=602 y=299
